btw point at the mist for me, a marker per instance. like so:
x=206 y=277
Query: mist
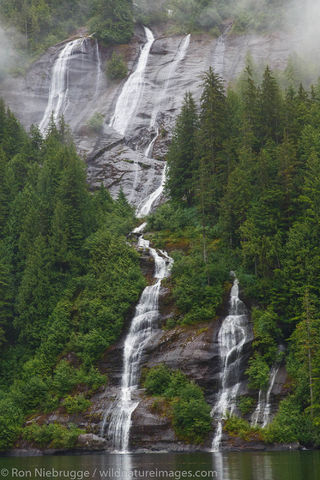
x=303 y=20
x=9 y=57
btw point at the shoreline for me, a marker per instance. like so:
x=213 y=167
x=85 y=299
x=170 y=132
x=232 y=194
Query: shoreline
x=33 y=452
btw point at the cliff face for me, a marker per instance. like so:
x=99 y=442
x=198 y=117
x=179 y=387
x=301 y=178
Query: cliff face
x=112 y=159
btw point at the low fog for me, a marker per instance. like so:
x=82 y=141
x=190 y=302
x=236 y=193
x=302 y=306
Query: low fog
x=303 y=19
x=9 y=58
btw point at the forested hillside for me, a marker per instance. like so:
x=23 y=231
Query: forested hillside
x=211 y=15
x=67 y=277
x=243 y=178
x=42 y=23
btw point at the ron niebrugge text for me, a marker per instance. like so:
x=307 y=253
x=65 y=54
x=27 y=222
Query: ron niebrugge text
x=110 y=473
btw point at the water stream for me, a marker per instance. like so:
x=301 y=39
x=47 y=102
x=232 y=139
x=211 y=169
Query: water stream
x=59 y=86
x=143 y=325
x=232 y=336
x=262 y=414
x=129 y=97
x=177 y=59
x=219 y=52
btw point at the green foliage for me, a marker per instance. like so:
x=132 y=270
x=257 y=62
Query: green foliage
x=252 y=164
x=258 y=372
x=238 y=427
x=95 y=123
x=158 y=380
x=52 y=435
x=116 y=68
x=112 y=20
x=291 y=425
x=182 y=155
x=245 y=405
x=190 y=413
x=191 y=420
x=11 y=419
x=76 y=404
x=42 y=23
x=197 y=286
x=210 y=15
x=266 y=333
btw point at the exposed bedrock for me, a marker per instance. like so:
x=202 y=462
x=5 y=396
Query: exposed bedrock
x=173 y=67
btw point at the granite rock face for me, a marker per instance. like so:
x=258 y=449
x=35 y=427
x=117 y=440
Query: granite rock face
x=119 y=161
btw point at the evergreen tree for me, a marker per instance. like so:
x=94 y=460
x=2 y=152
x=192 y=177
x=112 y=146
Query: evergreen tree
x=112 y=20
x=212 y=133
x=270 y=122
x=182 y=156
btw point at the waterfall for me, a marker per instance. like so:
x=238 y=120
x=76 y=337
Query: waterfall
x=261 y=415
x=130 y=95
x=267 y=410
x=145 y=207
x=142 y=327
x=59 y=87
x=232 y=337
x=179 y=56
x=218 y=56
x=99 y=69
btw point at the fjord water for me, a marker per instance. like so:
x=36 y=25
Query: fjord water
x=219 y=466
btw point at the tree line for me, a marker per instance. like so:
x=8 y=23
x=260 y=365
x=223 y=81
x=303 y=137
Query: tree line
x=43 y=23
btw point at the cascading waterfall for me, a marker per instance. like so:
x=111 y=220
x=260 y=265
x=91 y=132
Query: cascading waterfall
x=219 y=53
x=99 y=69
x=143 y=325
x=146 y=205
x=262 y=414
x=130 y=95
x=179 y=56
x=232 y=337
x=267 y=410
x=59 y=87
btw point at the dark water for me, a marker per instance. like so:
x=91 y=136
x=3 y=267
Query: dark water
x=229 y=466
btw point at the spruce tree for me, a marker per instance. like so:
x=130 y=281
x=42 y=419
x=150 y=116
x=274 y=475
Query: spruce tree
x=270 y=122
x=212 y=133
x=182 y=157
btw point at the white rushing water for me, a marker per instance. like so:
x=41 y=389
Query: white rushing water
x=232 y=336
x=142 y=327
x=262 y=414
x=99 y=70
x=59 y=87
x=130 y=95
x=146 y=205
x=219 y=52
x=177 y=59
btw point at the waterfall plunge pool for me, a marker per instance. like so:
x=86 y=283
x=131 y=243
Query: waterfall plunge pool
x=301 y=465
